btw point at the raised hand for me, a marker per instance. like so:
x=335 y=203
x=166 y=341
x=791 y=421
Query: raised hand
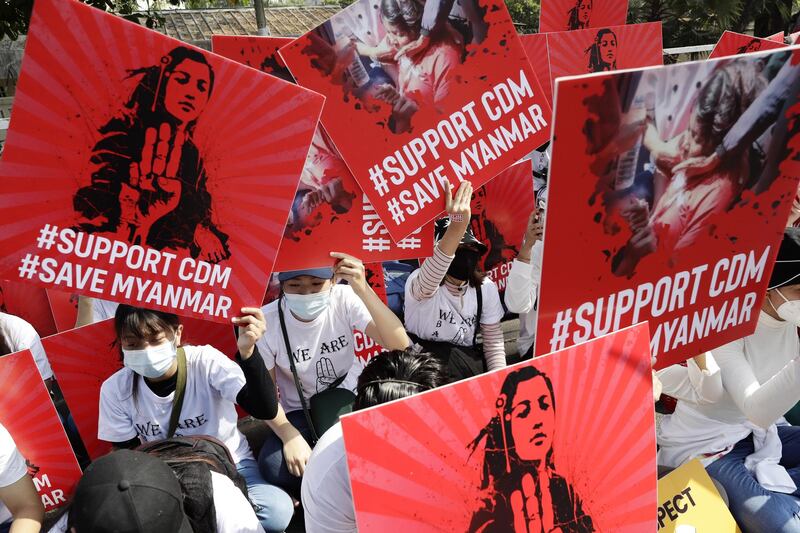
x=350 y=269
x=525 y=507
x=252 y=326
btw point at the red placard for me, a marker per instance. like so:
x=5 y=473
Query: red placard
x=83 y=358
x=442 y=460
x=732 y=43
x=64 y=306
x=538 y=53
x=500 y=211
x=329 y=211
x=140 y=169
x=567 y=15
x=627 y=240
x=793 y=37
x=29 y=303
x=29 y=416
x=455 y=113
x=365 y=347
x=605 y=49
x=777 y=37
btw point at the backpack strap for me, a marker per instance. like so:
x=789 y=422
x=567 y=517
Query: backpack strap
x=479 y=296
x=180 y=392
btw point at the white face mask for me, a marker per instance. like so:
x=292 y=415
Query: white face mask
x=789 y=310
x=151 y=362
x=308 y=306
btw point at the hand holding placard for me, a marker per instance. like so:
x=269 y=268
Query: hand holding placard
x=251 y=328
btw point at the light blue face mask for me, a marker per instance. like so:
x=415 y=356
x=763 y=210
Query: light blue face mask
x=308 y=306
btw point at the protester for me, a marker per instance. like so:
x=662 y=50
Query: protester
x=131 y=491
x=91 y=310
x=133 y=410
x=326 y=492
x=319 y=316
x=741 y=438
x=15 y=335
x=444 y=309
x=21 y=510
x=523 y=283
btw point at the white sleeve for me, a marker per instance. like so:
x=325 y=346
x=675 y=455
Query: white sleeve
x=691 y=384
x=114 y=424
x=33 y=342
x=263 y=344
x=356 y=311
x=234 y=513
x=103 y=310
x=762 y=403
x=12 y=464
x=224 y=375
x=61 y=525
x=492 y=307
x=520 y=288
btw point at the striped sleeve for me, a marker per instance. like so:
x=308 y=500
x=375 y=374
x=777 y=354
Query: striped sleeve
x=494 y=349
x=431 y=274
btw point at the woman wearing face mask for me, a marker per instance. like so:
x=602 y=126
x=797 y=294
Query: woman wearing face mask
x=742 y=438
x=444 y=309
x=136 y=403
x=319 y=317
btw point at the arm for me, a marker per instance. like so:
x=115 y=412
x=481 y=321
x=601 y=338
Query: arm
x=434 y=15
x=114 y=423
x=526 y=270
x=700 y=381
x=384 y=327
x=258 y=396
x=762 y=403
x=494 y=349
x=296 y=450
x=85 y=311
x=24 y=505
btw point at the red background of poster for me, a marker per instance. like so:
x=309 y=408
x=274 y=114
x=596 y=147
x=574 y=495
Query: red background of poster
x=578 y=252
x=554 y=14
x=365 y=347
x=497 y=59
x=358 y=232
x=730 y=42
x=29 y=416
x=30 y=303
x=85 y=357
x=409 y=463
x=777 y=37
x=72 y=83
x=64 y=306
x=638 y=45
x=508 y=202
x=535 y=46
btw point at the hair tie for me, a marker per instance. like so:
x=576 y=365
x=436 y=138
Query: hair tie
x=380 y=381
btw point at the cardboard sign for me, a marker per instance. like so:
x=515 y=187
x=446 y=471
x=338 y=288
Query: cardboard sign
x=83 y=358
x=30 y=417
x=629 y=236
x=406 y=127
x=535 y=46
x=458 y=457
x=29 y=303
x=732 y=43
x=140 y=169
x=64 y=306
x=329 y=211
x=688 y=497
x=777 y=37
x=500 y=211
x=605 y=49
x=567 y=15
x=365 y=347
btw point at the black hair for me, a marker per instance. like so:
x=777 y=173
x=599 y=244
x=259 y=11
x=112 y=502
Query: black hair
x=5 y=347
x=719 y=105
x=406 y=15
x=502 y=466
x=744 y=48
x=396 y=374
x=143 y=323
x=596 y=63
x=574 y=23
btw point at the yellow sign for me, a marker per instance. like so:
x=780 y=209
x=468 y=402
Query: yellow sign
x=688 y=498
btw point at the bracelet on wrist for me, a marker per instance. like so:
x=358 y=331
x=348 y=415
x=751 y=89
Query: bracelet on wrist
x=456 y=217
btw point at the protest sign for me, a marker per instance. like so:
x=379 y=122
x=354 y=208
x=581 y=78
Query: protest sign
x=631 y=234
x=777 y=37
x=140 y=169
x=567 y=15
x=29 y=303
x=28 y=414
x=64 y=306
x=458 y=457
x=329 y=211
x=500 y=211
x=364 y=346
x=688 y=497
x=83 y=358
x=732 y=43
x=535 y=46
x=605 y=49
x=449 y=114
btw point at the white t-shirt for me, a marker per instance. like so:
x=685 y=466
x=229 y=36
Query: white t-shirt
x=22 y=336
x=12 y=468
x=212 y=383
x=234 y=513
x=521 y=288
x=323 y=348
x=445 y=317
x=103 y=309
x=326 y=494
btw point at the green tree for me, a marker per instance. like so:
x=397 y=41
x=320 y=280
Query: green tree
x=525 y=14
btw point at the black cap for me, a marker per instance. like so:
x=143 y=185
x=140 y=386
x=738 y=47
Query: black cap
x=128 y=492
x=468 y=239
x=787 y=265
